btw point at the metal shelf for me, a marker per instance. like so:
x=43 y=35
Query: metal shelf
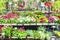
x=33 y=24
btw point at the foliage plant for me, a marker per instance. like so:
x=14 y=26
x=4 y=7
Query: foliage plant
x=2 y=4
x=7 y=31
x=19 y=33
x=56 y=5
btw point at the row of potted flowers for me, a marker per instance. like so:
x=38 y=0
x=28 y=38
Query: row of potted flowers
x=29 y=17
x=9 y=31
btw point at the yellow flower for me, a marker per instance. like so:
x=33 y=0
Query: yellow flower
x=57 y=33
x=46 y=19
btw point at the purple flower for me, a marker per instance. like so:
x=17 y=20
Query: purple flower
x=51 y=19
x=22 y=28
x=47 y=15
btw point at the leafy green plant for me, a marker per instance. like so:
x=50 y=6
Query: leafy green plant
x=43 y=33
x=41 y=28
x=2 y=4
x=22 y=34
x=19 y=33
x=33 y=33
x=38 y=12
x=56 y=5
x=7 y=30
x=58 y=21
x=21 y=0
x=44 y=0
x=15 y=33
x=3 y=21
x=48 y=34
x=3 y=12
x=29 y=32
x=36 y=34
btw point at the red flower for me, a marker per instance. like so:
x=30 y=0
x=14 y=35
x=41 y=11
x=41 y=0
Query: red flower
x=22 y=4
x=12 y=15
x=58 y=17
x=1 y=28
x=7 y=16
x=42 y=20
x=48 y=4
x=13 y=12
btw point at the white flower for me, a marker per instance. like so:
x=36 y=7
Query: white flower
x=54 y=26
x=40 y=32
x=3 y=33
x=10 y=3
x=21 y=21
x=15 y=28
x=15 y=4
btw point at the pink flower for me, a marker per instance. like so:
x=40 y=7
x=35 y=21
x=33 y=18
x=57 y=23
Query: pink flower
x=15 y=0
x=13 y=15
x=51 y=19
x=22 y=28
x=47 y=16
x=8 y=15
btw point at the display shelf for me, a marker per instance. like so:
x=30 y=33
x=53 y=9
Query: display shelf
x=13 y=37
x=47 y=24
x=30 y=37
x=29 y=19
x=23 y=37
x=33 y=24
x=32 y=11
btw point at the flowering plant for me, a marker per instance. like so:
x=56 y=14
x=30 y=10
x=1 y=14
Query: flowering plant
x=43 y=19
x=51 y=19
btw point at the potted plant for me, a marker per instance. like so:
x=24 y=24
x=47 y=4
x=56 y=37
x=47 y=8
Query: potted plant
x=7 y=31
